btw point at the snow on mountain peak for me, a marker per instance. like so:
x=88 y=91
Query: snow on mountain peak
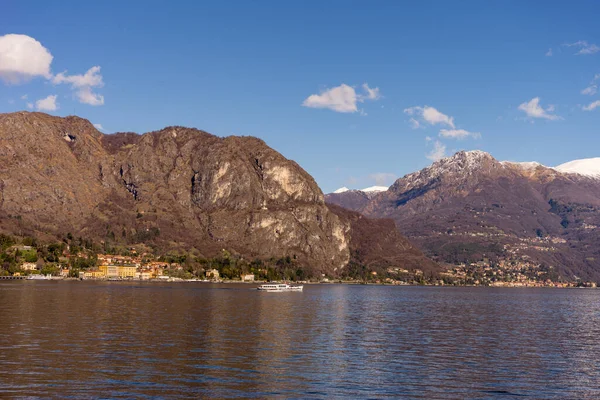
x=586 y=167
x=375 y=189
x=342 y=190
x=524 y=164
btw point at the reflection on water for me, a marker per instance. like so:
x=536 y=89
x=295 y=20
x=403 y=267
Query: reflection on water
x=197 y=340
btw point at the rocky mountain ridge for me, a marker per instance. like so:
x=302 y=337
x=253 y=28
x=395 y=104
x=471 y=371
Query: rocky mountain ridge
x=177 y=188
x=470 y=206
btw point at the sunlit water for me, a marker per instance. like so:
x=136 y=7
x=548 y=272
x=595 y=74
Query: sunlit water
x=80 y=339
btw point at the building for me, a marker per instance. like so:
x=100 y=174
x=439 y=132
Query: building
x=248 y=277
x=109 y=271
x=28 y=266
x=92 y=274
x=127 y=271
x=212 y=274
x=118 y=271
x=145 y=275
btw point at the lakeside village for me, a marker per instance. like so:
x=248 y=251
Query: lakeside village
x=78 y=259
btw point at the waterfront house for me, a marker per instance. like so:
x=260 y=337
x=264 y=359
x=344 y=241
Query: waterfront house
x=127 y=271
x=28 y=266
x=248 y=277
x=109 y=271
x=212 y=274
x=93 y=274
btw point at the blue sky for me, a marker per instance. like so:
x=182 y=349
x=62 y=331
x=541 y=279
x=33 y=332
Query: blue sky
x=357 y=93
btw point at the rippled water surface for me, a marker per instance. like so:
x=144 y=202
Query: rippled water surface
x=80 y=339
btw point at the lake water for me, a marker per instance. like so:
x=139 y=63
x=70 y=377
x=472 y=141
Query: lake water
x=107 y=339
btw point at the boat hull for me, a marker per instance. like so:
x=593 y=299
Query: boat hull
x=280 y=288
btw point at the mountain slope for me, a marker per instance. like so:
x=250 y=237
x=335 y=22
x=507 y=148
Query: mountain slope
x=177 y=188
x=587 y=167
x=470 y=206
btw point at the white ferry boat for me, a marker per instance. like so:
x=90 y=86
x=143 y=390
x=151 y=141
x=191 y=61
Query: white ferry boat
x=280 y=287
x=39 y=277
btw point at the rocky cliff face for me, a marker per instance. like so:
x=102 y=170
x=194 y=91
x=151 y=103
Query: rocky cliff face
x=470 y=206
x=177 y=188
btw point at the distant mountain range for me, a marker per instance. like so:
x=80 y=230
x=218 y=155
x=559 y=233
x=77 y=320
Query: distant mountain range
x=470 y=206
x=180 y=189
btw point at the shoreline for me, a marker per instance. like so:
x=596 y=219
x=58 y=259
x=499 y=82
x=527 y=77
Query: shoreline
x=340 y=282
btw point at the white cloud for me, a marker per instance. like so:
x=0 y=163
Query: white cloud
x=11 y=101
x=593 y=87
x=47 y=104
x=83 y=84
x=549 y=53
x=91 y=78
x=371 y=94
x=383 y=178
x=584 y=47
x=342 y=98
x=414 y=123
x=458 y=134
x=23 y=58
x=590 y=90
x=592 y=106
x=533 y=110
x=86 y=96
x=438 y=152
x=429 y=115
x=30 y=105
x=99 y=127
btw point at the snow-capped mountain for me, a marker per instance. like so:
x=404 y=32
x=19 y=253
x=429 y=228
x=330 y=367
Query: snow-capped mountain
x=374 y=189
x=469 y=206
x=370 y=189
x=342 y=190
x=586 y=167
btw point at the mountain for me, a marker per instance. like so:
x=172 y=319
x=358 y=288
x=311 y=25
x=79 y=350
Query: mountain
x=375 y=189
x=470 y=206
x=173 y=189
x=587 y=167
x=353 y=199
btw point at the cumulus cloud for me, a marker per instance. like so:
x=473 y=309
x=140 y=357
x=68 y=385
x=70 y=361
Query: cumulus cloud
x=549 y=53
x=30 y=106
x=438 y=152
x=23 y=58
x=458 y=134
x=429 y=115
x=342 y=98
x=592 y=106
x=83 y=84
x=533 y=110
x=383 y=178
x=47 y=104
x=584 y=47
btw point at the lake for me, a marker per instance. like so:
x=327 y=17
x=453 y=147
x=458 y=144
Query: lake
x=111 y=339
